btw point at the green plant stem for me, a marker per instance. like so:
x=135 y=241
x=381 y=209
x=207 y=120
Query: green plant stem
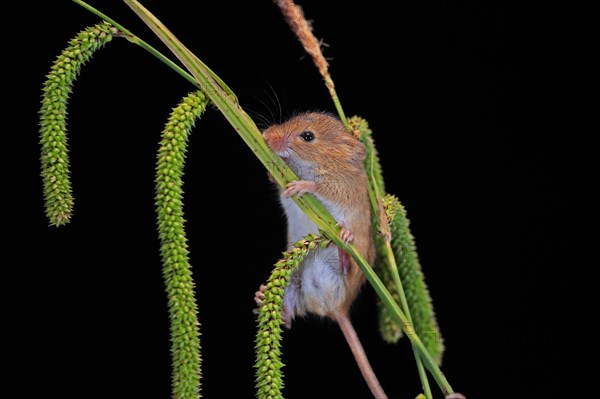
x=240 y=121
x=376 y=197
x=391 y=260
x=336 y=101
x=136 y=40
x=399 y=315
x=248 y=131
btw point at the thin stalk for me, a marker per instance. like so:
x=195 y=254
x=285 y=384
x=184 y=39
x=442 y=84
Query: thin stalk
x=236 y=116
x=400 y=317
x=136 y=40
x=336 y=101
x=396 y=277
x=248 y=131
x=376 y=197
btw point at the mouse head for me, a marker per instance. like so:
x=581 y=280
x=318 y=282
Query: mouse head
x=315 y=138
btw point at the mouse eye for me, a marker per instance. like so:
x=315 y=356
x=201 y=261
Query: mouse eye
x=307 y=136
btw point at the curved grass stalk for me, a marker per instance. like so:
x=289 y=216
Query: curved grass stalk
x=124 y=32
x=177 y=272
x=53 y=119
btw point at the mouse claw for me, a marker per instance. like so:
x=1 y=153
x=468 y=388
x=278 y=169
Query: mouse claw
x=259 y=296
x=299 y=187
x=345 y=234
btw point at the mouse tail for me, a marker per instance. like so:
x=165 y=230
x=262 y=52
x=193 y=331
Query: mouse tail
x=360 y=356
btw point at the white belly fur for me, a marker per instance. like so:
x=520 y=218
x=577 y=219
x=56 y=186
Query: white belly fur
x=318 y=285
x=298 y=224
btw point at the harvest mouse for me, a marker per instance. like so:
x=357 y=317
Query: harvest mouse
x=329 y=163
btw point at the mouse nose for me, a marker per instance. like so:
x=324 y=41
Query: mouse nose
x=276 y=141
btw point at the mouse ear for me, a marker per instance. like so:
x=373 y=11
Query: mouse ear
x=359 y=153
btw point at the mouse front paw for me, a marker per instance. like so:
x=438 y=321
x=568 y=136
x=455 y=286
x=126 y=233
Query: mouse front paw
x=299 y=187
x=345 y=234
x=259 y=296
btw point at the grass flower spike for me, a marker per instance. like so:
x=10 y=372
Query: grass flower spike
x=177 y=272
x=269 y=378
x=53 y=119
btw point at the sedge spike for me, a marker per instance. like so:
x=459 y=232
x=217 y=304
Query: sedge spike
x=268 y=365
x=390 y=329
x=177 y=272
x=58 y=195
x=361 y=130
x=413 y=280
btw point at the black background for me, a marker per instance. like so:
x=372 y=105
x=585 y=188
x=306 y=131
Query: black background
x=445 y=87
